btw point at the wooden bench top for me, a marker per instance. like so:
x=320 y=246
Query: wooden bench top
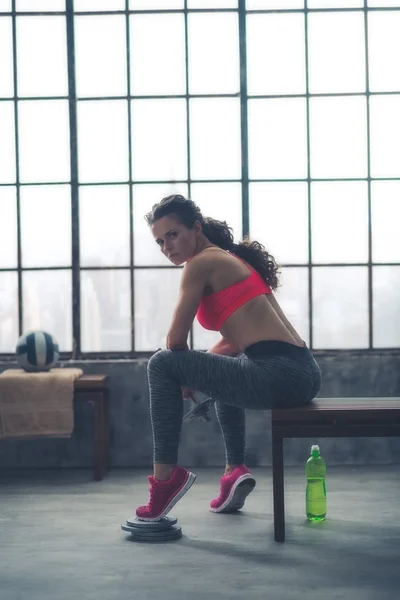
x=320 y=408
x=91 y=382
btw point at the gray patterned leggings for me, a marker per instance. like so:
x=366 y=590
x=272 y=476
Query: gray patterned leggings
x=267 y=375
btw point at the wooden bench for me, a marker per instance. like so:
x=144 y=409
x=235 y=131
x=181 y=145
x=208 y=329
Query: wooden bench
x=94 y=390
x=327 y=417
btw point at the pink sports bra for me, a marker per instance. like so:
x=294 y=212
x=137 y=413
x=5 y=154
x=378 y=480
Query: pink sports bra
x=217 y=307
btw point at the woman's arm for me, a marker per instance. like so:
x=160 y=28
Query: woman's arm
x=194 y=276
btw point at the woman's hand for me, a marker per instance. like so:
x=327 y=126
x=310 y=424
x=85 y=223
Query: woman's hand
x=171 y=345
x=187 y=393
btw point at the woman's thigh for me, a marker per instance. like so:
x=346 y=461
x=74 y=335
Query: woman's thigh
x=237 y=381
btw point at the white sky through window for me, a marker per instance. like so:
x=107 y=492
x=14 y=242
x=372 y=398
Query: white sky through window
x=180 y=129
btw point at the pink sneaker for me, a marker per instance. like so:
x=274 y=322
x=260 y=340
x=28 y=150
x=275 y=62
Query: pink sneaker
x=165 y=494
x=234 y=490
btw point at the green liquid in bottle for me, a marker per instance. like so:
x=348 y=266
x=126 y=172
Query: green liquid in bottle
x=316 y=486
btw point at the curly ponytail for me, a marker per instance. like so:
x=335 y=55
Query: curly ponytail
x=219 y=233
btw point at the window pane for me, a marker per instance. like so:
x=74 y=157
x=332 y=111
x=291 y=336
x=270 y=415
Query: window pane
x=8 y=228
x=385 y=132
x=7 y=143
x=9 y=312
x=273 y=4
x=383 y=3
x=292 y=295
x=47 y=302
x=277 y=139
x=100 y=56
x=276 y=54
x=40 y=72
x=203 y=339
x=44 y=141
x=46 y=226
x=5 y=6
x=339 y=222
x=106 y=310
x=6 y=62
x=335 y=3
x=156 y=294
x=212 y=3
x=222 y=201
x=270 y=204
x=386 y=307
x=336 y=67
x=385 y=221
x=103 y=151
x=146 y=251
x=384 y=50
x=159 y=149
x=104 y=226
x=157 y=44
x=155 y=4
x=40 y=5
x=340 y=307
x=338 y=136
x=215 y=138
x=214 y=58
x=90 y=6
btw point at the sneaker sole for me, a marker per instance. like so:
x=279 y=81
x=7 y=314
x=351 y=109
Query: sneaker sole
x=238 y=494
x=185 y=488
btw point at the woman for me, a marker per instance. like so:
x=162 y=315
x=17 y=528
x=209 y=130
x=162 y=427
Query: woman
x=259 y=363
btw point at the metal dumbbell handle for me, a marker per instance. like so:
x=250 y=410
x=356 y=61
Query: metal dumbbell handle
x=199 y=407
x=202 y=413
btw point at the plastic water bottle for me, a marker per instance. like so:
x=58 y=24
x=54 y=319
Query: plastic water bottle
x=316 y=486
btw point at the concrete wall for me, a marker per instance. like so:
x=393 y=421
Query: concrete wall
x=344 y=374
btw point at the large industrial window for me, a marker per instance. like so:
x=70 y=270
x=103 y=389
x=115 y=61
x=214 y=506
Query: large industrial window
x=281 y=117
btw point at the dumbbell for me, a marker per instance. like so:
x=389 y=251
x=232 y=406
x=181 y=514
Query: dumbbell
x=199 y=406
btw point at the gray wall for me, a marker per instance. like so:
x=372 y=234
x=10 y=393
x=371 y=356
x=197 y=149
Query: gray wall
x=344 y=374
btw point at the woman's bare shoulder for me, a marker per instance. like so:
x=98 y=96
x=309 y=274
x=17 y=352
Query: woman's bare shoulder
x=208 y=262
x=209 y=255
x=204 y=260
x=222 y=268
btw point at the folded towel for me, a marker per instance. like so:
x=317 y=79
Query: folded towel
x=35 y=405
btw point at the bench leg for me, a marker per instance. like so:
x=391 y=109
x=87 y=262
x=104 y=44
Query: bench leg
x=278 y=487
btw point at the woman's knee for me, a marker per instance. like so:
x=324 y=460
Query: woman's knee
x=158 y=361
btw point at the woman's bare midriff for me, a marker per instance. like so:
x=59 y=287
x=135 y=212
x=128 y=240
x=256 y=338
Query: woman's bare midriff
x=259 y=319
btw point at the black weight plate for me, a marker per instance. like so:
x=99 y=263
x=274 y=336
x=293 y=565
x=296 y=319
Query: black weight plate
x=174 y=533
x=161 y=525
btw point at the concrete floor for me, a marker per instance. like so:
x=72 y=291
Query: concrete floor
x=60 y=538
